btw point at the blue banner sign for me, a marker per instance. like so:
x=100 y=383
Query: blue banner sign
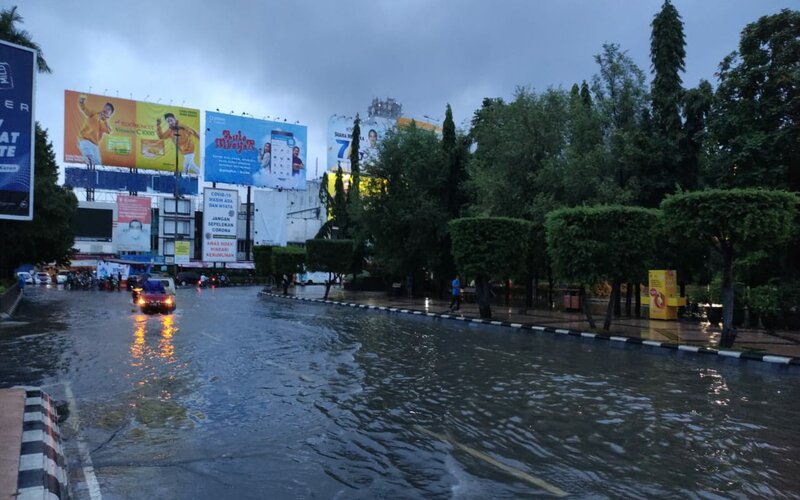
x=251 y=152
x=17 y=76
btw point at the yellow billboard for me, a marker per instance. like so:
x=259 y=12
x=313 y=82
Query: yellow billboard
x=663 y=294
x=368 y=185
x=109 y=131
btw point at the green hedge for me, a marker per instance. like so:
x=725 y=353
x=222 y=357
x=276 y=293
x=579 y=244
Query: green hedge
x=331 y=256
x=490 y=246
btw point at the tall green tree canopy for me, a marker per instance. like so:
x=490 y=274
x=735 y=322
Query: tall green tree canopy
x=756 y=110
x=330 y=256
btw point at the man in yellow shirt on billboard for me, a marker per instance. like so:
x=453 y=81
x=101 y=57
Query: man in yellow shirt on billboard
x=186 y=143
x=94 y=127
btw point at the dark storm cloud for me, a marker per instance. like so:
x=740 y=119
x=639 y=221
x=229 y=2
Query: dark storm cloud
x=306 y=60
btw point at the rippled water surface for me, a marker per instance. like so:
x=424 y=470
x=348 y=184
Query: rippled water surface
x=240 y=397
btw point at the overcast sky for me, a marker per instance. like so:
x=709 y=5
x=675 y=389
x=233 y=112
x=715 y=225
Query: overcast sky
x=305 y=60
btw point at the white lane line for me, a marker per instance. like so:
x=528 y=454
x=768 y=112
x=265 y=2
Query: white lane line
x=86 y=458
x=211 y=336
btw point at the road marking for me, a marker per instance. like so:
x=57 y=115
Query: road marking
x=211 y=336
x=513 y=471
x=86 y=458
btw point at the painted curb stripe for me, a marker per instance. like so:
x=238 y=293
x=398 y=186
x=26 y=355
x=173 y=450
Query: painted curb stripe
x=35 y=424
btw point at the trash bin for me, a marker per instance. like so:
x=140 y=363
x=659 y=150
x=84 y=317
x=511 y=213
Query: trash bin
x=572 y=299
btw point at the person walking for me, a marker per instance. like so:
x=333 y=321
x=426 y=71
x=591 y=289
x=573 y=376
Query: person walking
x=455 y=302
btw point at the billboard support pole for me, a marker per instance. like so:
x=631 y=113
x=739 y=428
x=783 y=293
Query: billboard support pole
x=177 y=172
x=247 y=227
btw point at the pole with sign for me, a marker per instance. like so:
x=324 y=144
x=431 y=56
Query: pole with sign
x=17 y=133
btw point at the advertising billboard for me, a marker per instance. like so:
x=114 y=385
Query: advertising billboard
x=252 y=152
x=220 y=214
x=183 y=250
x=269 y=219
x=340 y=137
x=405 y=121
x=132 y=229
x=17 y=76
x=109 y=131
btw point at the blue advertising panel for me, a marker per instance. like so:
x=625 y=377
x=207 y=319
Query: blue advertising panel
x=251 y=152
x=17 y=74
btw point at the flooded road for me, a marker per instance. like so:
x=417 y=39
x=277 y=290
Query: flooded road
x=236 y=396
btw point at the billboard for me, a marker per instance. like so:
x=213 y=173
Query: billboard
x=269 y=219
x=220 y=214
x=405 y=121
x=252 y=152
x=132 y=229
x=183 y=251
x=109 y=131
x=17 y=76
x=340 y=136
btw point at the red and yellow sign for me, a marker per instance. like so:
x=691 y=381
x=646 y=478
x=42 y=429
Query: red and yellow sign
x=109 y=131
x=663 y=294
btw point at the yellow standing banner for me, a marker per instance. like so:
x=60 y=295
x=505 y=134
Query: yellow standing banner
x=663 y=295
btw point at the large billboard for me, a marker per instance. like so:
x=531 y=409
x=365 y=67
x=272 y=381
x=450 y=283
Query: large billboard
x=17 y=76
x=269 y=219
x=340 y=138
x=109 y=131
x=220 y=215
x=252 y=152
x=132 y=230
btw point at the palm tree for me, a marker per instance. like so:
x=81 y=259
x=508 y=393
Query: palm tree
x=11 y=33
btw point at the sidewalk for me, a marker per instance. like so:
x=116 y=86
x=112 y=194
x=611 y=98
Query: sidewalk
x=780 y=343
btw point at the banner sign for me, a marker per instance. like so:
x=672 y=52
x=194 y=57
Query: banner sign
x=109 y=131
x=183 y=250
x=132 y=229
x=269 y=219
x=17 y=76
x=251 y=152
x=220 y=215
x=112 y=269
x=340 y=137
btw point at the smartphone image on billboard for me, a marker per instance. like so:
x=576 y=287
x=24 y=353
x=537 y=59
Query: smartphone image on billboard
x=282 y=144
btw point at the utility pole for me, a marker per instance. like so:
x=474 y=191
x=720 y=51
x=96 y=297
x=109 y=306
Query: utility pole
x=247 y=227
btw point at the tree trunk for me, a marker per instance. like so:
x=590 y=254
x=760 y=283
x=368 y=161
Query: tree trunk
x=327 y=286
x=529 y=291
x=682 y=309
x=536 y=291
x=728 y=332
x=612 y=299
x=617 y=291
x=585 y=306
x=508 y=292
x=484 y=293
x=638 y=301
x=550 y=284
x=628 y=299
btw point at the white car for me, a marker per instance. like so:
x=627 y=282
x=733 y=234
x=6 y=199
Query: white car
x=42 y=278
x=61 y=277
x=25 y=276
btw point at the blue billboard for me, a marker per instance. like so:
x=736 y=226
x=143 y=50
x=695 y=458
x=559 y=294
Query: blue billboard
x=17 y=74
x=252 y=152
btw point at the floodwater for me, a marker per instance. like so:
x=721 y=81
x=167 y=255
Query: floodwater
x=236 y=396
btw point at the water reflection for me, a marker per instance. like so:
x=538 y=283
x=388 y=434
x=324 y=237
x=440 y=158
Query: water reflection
x=141 y=352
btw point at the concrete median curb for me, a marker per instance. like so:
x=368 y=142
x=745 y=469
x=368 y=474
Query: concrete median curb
x=700 y=350
x=42 y=464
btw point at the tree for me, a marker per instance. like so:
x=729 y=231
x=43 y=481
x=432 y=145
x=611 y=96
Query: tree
x=286 y=262
x=355 y=209
x=489 y=247
x=733 y=223
x=262 y=257
x=330 y=256
x=756 y=110
x=405 y=215
x=589 y=245
x=49 y=236
x=9 y=32
x=667 y=54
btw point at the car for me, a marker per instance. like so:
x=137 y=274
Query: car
x=61 y=277
x=41 y=278
x=154 y=298
x=25 y=276
x=167 y=282
x=187 y=278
